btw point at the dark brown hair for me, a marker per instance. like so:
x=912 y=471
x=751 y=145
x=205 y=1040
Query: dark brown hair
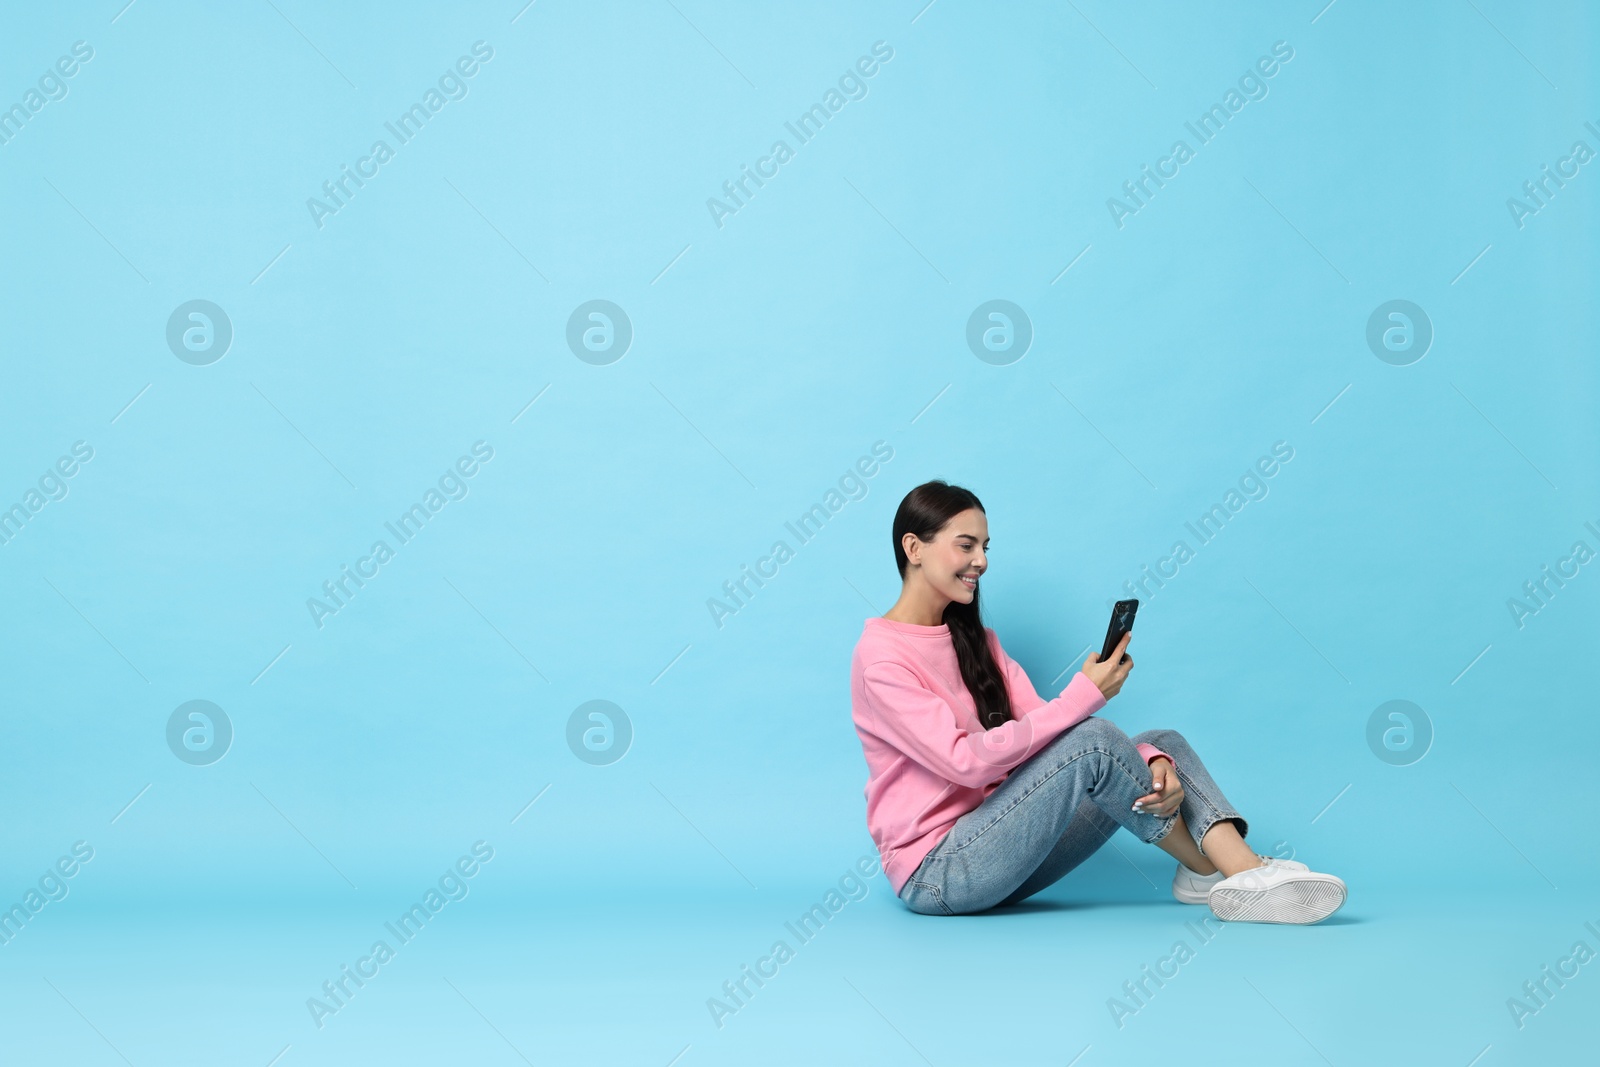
x=926 y=511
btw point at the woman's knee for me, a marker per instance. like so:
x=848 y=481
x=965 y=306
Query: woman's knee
x=1166 y=740
x=1101 y=738
x=1100 y=731
x=1095 y=734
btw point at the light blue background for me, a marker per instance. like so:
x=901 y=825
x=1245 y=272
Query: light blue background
x=768 y=355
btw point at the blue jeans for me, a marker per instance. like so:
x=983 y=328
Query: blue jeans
x=1054 y=811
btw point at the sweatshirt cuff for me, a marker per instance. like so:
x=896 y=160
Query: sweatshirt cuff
x=1082 y=693
x=1150 y=752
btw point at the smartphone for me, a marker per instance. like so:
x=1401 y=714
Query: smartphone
x=1121 y=622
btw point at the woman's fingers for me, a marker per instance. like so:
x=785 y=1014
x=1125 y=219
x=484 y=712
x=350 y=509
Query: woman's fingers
x=1157 y=792
x=1173 y=799
x=1166 y=792
x=1160 y=811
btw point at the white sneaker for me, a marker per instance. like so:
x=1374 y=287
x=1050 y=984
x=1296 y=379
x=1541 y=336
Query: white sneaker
x=1192 y=888
x=1277 y=894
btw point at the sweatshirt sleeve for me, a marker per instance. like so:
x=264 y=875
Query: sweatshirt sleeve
x=921 y=724
x=1150 y=752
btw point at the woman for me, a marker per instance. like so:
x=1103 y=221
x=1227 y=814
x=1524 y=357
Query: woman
x=980 y=793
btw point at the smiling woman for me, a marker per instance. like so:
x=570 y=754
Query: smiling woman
x=980 y=793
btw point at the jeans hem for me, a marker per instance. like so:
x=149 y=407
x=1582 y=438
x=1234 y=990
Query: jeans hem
x=1214 y=813
x=1172 y=820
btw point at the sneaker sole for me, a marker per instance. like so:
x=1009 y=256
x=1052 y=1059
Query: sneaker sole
x=1304 y=901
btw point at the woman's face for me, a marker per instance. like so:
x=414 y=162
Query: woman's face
x=957 y=552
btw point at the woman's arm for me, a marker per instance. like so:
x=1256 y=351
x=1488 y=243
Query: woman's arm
x=920 y=723
x=1024 y=699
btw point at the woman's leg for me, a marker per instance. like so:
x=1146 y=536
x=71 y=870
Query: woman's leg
x=1090 y=828
x=1222 y=842
x=1212 y=836
x=994 y=849
x=1181 y=847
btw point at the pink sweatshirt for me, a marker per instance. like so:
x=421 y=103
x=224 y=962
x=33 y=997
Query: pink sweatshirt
x=929 y=760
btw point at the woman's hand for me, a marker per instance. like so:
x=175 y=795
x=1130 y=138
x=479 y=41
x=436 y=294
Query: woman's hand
x=1108 y=674
x=1166 y=791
